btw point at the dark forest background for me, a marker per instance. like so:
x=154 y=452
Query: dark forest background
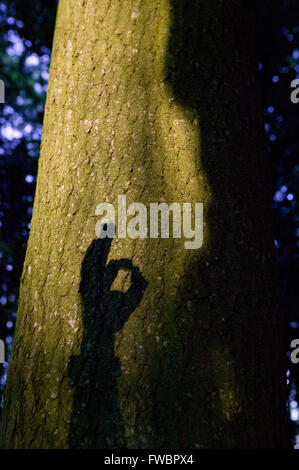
x=26 y=32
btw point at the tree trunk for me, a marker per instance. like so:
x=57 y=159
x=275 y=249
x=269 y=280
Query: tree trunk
x=155 y=100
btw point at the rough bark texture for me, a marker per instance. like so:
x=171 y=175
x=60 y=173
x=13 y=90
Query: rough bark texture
x=156 y=100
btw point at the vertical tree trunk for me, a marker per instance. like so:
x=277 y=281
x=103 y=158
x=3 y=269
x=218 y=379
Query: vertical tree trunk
x=156 y=100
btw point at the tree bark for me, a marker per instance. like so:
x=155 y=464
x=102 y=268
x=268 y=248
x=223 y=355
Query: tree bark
x=157 y=100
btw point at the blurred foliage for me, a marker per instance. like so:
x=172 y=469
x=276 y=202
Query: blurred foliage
x=25 y=45
x=279 y=65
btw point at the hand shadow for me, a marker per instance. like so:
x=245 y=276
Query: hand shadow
x=96 y=420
